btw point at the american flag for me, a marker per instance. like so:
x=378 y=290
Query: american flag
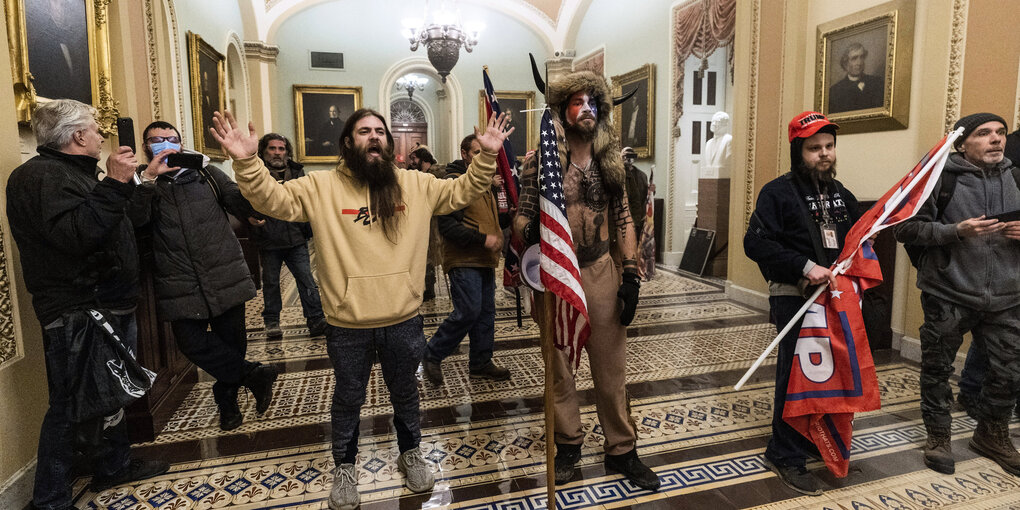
x=559 y=269
x=508 y=195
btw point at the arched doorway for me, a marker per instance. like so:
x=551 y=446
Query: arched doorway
x=409 y=123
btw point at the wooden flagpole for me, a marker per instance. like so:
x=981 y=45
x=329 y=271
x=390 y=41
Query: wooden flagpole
x=547 y=335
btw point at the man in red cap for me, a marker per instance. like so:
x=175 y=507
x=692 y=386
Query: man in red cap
x=795 y=234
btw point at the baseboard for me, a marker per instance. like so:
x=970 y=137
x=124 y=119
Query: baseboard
x=910 y=348
x=16 y=492
x=747 y=296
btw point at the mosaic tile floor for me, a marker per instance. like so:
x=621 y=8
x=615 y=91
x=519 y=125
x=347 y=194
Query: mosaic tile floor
x=486 y=443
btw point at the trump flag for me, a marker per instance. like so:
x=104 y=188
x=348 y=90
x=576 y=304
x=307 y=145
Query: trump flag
x=833 y=374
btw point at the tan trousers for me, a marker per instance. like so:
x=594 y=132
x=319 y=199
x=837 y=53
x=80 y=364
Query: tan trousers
x=607 y=355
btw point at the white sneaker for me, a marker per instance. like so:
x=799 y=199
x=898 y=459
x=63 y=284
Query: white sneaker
x=344 y=495
x=416 y=471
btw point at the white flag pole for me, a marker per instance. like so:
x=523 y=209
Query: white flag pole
x=938 y=158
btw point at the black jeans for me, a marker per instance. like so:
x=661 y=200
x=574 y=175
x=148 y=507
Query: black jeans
x=399 y=348
x=297 y=261
x=219 y=352
x=787 y=447
x=56 y=437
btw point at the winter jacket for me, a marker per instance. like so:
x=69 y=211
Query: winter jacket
x=277 y=234
x=977 y=272
x=200 y=270
x=366 y=279
x=75 y=237
x=464 y=231
x=784 y=231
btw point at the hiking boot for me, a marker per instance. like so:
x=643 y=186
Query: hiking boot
x=491 y=371
x=797 y=478
x=344 y=495
x=225 y=397
x=417 y=474
x=629 y=465
x=433 y=372
x=317 y=326
x=938 y=451
x=260 y=382
x=991 y=439
x=567 y=456
x=138 y=469
x=968 y=403
x=273 y=329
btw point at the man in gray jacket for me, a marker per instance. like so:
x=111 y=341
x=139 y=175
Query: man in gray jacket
x=969 y=282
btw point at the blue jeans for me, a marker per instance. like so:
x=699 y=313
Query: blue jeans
x=973 y=374
x=473 y=290
x=299 y=265
x=56 y=437
x=787 y=447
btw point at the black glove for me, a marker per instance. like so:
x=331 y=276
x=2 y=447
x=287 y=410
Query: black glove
x=531 y=231
x=628 y=292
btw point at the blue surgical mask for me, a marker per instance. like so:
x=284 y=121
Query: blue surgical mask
x=156 y=148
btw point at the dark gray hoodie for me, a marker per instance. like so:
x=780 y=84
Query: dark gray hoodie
x=982 y=273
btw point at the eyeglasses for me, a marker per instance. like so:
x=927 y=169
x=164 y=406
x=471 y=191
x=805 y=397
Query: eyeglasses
x=161 y=139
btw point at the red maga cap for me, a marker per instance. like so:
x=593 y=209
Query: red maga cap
x=807 y=124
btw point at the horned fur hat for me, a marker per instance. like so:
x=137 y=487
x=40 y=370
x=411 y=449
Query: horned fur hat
x=606 y=144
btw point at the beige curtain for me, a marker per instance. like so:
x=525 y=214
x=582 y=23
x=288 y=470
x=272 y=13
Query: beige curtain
x=699 y=29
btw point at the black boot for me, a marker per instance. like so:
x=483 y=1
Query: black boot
x=226 y=400
x=138 y=469
x=629 y=465
x=567 y=456
x=260 y=382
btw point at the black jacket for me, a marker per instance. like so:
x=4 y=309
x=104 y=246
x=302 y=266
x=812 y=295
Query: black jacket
x=783 y=233
x=278 y=234
x=200 y=270
x=76 y=241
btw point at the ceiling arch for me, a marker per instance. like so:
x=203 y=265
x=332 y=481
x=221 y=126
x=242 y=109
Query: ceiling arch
x=554 y=21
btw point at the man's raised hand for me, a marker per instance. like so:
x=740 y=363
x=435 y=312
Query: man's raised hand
x=495 y=132
x=236 y=142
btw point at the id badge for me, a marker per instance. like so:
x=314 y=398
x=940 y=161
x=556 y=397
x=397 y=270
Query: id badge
x=829 y=236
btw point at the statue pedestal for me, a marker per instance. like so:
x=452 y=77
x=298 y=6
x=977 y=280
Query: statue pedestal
x=714 y=214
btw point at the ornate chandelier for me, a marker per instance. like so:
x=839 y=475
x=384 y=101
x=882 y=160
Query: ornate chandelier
x=442 y=36
x=409 y=82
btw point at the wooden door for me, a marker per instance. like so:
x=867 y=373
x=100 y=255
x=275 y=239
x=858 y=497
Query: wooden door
x=405 y=137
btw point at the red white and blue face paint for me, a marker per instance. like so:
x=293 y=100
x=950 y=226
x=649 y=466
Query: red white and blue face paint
x=581 y=107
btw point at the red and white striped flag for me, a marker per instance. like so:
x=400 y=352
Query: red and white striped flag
x=560 y=272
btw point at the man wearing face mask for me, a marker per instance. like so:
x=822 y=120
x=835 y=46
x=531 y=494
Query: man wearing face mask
x=594 y=186
x=795 y=234
x=202 y=281
x=285 y=242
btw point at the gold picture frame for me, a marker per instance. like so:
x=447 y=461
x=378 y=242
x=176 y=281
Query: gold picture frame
x=635 y=128
x=522 y=140
x=877 y=44
x=32 y=64
x=317 y=137
x=206 y=71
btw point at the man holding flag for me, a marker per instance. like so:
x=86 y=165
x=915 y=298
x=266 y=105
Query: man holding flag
x=969 y=282
x=796 y=232
x=574 y=200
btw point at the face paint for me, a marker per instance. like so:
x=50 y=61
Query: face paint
x=582 y=106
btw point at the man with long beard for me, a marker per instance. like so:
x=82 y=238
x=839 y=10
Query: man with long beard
x=600 y=222
x=371 y=223
x=795 y=234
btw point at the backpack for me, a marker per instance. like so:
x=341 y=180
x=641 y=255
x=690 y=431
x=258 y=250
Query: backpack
x=946 y=184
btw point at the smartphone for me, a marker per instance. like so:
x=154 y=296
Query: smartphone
x=184 y=160
x=126 y=133
x=1007 y=216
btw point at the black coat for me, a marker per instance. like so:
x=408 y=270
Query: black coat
x=278 y=234
x=200 y=270
x=76 y=241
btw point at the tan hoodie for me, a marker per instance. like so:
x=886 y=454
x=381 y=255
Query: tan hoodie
x=366 y=280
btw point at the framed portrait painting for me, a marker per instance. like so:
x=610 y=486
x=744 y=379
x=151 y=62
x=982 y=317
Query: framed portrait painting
x=208 y=94
x=635 y=117
x=320 y=113
x=594 y=61
x=863 y=68
x=60 y=50
x=524 y=138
